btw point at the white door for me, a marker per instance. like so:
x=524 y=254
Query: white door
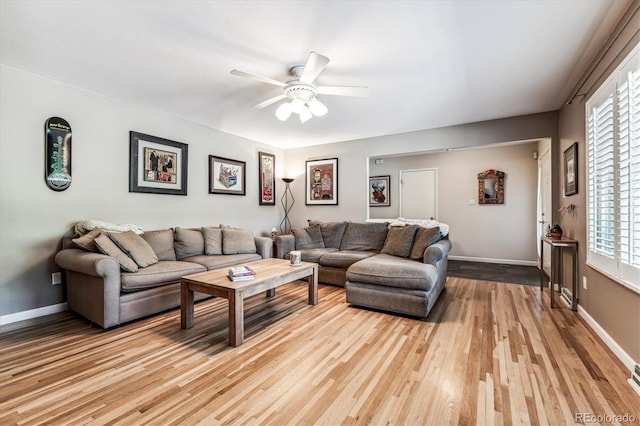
x=418 y=194
x=544 y=205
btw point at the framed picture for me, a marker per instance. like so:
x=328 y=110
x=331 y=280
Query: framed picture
x=571 y=170
x=157 y=165
x=227 y=176
x=379 y=191
x=267 y=179
x=322 y=182
x=491 y=187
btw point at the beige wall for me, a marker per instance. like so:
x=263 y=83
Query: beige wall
x=457 y=173
x=33 y=218
x=614 y=307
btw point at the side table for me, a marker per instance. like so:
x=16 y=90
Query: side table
x=557 y=248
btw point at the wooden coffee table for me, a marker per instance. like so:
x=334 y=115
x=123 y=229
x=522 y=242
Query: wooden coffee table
x=270 y=273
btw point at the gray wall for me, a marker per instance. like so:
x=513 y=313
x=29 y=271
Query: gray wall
x=457 y=173
x=33 y=218
x=614 y=307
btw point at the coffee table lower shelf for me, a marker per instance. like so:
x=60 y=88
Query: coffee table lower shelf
x=270 y=273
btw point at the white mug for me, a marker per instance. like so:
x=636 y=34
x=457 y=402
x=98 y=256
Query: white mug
x=295 y=257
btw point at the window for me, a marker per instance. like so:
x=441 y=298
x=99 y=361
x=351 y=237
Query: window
x=613 y=174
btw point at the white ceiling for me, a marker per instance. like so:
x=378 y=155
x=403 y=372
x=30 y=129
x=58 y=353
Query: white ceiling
x=428 y=64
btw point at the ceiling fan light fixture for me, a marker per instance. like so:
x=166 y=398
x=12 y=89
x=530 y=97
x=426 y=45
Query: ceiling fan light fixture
x=284 y=111
x=305 y=114
x=317 y=108
x=297 y=105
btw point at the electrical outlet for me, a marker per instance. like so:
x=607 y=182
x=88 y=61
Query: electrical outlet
x=584 y=282
x=56 y=278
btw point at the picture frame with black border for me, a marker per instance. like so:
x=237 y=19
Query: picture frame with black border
x=571 y=170
x=266 y=179
x=227 y=176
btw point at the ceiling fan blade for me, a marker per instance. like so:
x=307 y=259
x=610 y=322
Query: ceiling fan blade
x=358 y=91
x=269 y=102
x=314 y=66
x=257 y=77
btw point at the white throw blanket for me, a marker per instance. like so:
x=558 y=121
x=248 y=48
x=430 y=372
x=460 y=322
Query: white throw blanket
x=425 y=223
x=82 y=228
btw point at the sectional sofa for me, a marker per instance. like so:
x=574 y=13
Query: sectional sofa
x=395 y=267
x=116 y=277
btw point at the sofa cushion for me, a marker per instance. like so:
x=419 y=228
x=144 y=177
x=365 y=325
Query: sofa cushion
x=332 y=232
x=308 y=238
x=344 y=259
x=424 y=238
x=162 y=243
x=223 y=261
x=87 y=242
x=314 y=255
x=162 y=273
x=364 y=236
x=391 y=271
x=399 y=240
x=212 y=240
x=135 y=247
x=108 y=247
x=238 y=241
x=188 y=242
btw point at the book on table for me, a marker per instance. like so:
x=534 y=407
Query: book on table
x=241 y=273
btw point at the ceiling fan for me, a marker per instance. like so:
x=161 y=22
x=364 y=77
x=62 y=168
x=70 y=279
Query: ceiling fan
x=302 y=90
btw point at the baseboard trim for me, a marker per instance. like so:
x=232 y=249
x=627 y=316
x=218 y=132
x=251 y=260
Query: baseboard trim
x=491 y=260
x=608 y=340
x=33 y=313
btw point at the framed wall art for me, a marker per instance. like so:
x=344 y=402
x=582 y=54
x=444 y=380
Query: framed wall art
x=379 y=191
x=57 y=168
x=267 y=179
x=571 y=170
x=157 y=165
x=227 y=176
x=322 y=182
x=491 y=187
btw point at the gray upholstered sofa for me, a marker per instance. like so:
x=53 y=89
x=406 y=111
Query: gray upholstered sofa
x=113 y=278
x=399 y=269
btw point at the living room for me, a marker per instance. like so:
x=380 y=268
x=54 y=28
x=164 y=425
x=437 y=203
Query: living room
x=33 y=218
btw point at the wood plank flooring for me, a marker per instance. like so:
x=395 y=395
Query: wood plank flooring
x=489 y=354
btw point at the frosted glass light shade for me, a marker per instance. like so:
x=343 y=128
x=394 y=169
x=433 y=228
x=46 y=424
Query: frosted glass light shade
x=305 y=114
x=284 y=111
x=317 y=108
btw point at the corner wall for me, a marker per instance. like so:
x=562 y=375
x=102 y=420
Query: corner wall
x=34 y=218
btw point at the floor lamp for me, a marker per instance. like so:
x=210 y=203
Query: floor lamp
x=285 y=225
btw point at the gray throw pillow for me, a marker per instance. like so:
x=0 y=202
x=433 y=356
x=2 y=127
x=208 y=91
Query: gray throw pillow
x=188 y=242
x=108 y=247
x=87 y=242
x=332 y=232
x=400 y=240
x=162 y=243
x=308 y=238
x=212 y=240
x=135 y=247
x=364 y=236
x=238 y=241
x=424 y=238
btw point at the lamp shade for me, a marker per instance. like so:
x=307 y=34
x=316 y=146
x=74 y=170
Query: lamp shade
x=284 y=111
x=305 y=114
x=317 y=108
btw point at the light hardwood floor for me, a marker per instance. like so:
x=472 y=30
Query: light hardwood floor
x=489 y=353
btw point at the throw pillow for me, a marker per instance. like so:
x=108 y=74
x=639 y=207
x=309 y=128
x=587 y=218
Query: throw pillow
x=308 y=238
x=86 y=241
x=188 y=242
x=399 y=240
x=162 y=243
x=212 y=240
x=238 y=241
x=108 y=247
x=332 y=232
x=135 y=247
x=424 y=238
x=364 y=236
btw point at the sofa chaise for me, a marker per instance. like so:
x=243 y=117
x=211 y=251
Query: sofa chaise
x=117 y=277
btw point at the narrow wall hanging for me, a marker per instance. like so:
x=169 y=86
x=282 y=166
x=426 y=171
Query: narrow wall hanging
x=57 y=168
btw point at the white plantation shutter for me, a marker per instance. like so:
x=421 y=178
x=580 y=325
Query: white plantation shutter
x=613 y=174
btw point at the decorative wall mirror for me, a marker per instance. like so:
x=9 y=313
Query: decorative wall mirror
x=491 y=187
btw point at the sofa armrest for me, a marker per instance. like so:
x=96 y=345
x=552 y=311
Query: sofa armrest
x=437 y=251
x=94 y=264
x=284 y=244
x=264 y=246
